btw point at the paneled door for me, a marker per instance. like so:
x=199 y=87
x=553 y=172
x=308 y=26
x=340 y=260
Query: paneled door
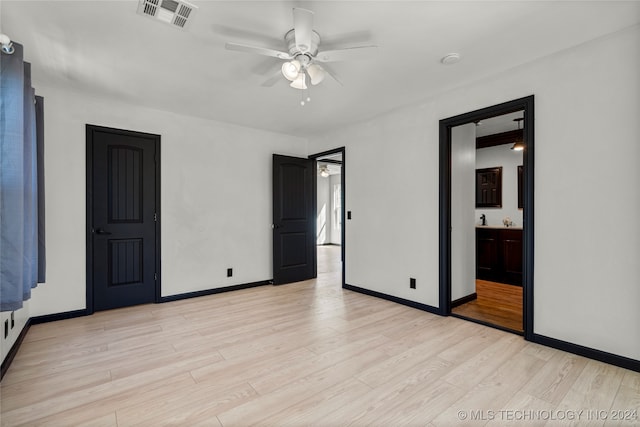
x=122 y=218
x=294 y=221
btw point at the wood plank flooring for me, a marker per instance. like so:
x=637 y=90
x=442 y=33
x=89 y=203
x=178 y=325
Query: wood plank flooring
x=308 y=353
x=497 y=303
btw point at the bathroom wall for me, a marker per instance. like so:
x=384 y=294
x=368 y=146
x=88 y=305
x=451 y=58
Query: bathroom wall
x=463 y=233
x=502 y=155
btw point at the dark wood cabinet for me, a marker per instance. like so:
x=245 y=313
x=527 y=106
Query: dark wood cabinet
x=511 y=247
x=499 y=255
x=487 y=254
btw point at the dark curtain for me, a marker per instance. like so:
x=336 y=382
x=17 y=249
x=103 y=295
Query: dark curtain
x=21 y=198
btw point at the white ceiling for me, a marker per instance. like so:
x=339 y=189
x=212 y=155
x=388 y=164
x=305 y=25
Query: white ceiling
x=499 y=124
x=106 y=49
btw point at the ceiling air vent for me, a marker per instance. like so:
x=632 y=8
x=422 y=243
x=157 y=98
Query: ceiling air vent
x=178 y=13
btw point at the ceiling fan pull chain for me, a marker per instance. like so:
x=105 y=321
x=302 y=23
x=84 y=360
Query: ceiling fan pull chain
x=303 y=93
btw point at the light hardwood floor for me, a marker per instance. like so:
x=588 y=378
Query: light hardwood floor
x=497 y=303
x=307 y=353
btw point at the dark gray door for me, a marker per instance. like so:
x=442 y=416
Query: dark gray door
x=294 y=221
x=123 y=244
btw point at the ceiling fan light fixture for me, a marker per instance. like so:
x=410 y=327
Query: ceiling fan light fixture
x=291 y=69
x=316 y=73
x=7 y=45
x=299 y=82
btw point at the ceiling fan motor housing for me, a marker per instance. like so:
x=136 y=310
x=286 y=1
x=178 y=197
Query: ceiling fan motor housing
x=311 y=51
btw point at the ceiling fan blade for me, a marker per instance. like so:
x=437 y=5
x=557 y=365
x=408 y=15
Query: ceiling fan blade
x=332 y=74
x=303 y=26
x=266 y=67
x=338 y=41
x=346 y=54
x=273 y=79
x=258 y=50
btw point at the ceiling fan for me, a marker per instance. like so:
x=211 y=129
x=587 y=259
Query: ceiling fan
x=303 y=56
x=323 y=171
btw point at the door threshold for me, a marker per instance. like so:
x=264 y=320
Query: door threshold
x=491 y=325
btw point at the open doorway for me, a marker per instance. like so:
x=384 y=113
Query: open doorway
x=330 y=214
x=487 y=226
x=486 y=216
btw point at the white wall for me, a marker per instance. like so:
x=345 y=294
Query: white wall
x=463 y=203
x=587 y=106
x=323 y=215
x=215 y=197
x=393 y=233
x=502 y=155
x=20 y=318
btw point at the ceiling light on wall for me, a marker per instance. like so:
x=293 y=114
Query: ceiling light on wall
x=7 y=46
x=324 y=171
x=450 y=58
x=518 y=145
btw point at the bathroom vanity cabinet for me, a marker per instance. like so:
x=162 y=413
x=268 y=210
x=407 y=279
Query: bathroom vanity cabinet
x=499 y=254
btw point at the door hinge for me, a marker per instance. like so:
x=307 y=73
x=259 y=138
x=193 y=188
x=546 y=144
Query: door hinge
x=155 y=217
x=155 y=276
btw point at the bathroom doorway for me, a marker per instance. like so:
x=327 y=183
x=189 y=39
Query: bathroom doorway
x=486 y=216
x=486 y=273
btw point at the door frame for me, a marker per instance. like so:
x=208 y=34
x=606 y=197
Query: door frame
x=89 y=207
x=526 y=105
x=340 y=150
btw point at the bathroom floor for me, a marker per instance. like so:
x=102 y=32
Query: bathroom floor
x=497 y=303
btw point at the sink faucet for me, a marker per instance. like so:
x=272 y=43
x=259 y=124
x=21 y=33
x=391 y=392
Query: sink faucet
x=483 y=219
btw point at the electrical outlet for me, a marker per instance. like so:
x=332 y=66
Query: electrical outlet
x=229 y=272
x=412 y=283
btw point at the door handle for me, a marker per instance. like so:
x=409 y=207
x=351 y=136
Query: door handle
x=100 y=231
